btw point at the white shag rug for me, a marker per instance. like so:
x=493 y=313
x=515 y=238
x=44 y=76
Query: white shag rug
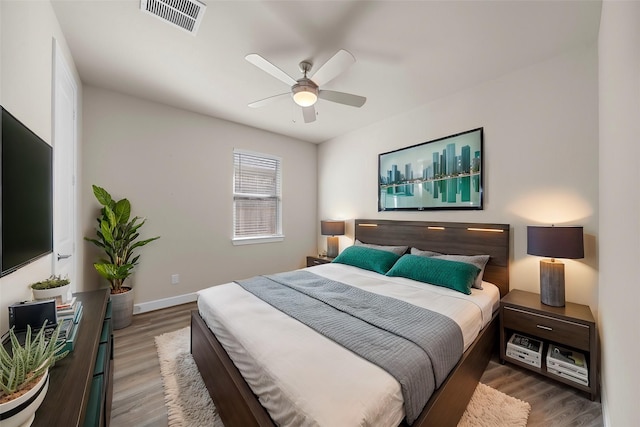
x=187 y=399
x=189 y=404
x=492 y=408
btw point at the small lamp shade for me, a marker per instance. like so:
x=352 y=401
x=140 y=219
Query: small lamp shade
x=554 y=242
x=332 y=228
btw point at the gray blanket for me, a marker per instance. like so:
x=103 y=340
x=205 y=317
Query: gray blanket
x=418 y=347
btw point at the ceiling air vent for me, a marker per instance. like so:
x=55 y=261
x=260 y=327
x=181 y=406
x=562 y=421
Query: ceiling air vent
x=185 y=14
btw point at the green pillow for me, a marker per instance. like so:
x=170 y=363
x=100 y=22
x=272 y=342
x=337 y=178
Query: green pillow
x=455 y=275
x=367 y=258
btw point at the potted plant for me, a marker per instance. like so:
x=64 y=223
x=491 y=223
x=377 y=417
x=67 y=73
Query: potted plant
x=24 y=375
x=55 y=287
x=117 y=236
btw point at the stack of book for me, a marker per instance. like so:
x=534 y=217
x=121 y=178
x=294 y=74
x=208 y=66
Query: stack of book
x=69 y=314
x=525 y=349
x=567 y=364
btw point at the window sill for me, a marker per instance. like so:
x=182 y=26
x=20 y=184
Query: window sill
x=256 y=240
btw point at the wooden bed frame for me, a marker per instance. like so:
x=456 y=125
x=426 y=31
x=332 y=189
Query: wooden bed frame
x=239 y=407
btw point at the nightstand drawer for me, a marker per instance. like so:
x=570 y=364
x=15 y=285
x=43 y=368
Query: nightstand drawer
x=561 y=331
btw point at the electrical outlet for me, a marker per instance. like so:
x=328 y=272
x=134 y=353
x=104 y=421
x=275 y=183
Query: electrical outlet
x=175 y=279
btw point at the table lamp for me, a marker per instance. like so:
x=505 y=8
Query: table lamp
x=554 y=242
x=333 y=229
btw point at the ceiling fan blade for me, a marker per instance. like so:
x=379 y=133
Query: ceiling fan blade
x=269 y=68
x=309 y=114
x=342 y=98
x=337 y=64
x=268 y=100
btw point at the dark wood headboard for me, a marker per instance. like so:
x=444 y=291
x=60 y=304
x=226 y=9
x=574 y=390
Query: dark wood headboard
x=446 y=237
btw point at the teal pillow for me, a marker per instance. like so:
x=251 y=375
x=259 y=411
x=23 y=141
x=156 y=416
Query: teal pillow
x=479 y=261
x=455 y=275
x=367 y=258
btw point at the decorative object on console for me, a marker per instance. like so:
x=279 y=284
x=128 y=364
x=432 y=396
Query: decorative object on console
x=554 y=242
x=24 y=377
x=117 y=236
x=55 y=287
x=332 y=228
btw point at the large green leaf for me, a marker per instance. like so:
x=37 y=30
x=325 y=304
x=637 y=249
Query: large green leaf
x=111 y=216
x=103 y=197
x=106 y=232
x=123 y=211
x=144 y=242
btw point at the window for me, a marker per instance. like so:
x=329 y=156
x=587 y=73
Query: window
x=257 y=198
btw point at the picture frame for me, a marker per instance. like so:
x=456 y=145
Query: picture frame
x=443 y=174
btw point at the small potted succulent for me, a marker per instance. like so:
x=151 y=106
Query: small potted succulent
x=55 y=287
x=24 y=374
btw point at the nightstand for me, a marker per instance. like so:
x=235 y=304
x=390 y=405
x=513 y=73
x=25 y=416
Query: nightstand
x=317 y=260
x=572 y=327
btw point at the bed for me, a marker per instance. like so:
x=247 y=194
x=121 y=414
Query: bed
x=235 y=399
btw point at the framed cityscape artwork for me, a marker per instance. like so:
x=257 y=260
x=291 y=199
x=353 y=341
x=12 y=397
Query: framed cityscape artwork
x=445 y=173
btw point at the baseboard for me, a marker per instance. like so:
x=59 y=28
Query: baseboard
x=603 y=401
x=164 y=303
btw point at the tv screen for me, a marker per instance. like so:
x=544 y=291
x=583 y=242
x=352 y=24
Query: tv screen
x=26 y=224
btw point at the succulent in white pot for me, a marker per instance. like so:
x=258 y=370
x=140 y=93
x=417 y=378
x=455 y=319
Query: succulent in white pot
x=24 y=375
x=55 y=287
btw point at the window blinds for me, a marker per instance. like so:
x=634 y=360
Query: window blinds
x=256 y=195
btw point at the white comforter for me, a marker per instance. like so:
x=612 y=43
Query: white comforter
x=305 y=379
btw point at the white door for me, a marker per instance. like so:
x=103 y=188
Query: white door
x=64 y=167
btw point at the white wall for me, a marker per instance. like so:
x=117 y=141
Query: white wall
x=540 y=158
x=619 y=51
x=27 y=32
x=176 y=169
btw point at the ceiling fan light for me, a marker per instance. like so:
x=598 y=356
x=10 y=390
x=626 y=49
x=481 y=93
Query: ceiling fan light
x=305 y=98
x=305 y=95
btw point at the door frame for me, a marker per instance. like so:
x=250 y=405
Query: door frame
x=61 y=69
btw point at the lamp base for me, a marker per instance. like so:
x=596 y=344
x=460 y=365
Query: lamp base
x=332 y=247
x=552 y=283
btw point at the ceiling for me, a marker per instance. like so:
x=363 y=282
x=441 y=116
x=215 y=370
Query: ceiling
x=408 y=53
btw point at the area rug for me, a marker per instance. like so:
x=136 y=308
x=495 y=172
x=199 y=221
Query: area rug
x=189 y=403
x=187 y=399
x=491 y=408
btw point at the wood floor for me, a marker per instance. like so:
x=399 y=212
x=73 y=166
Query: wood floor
x=138 y=397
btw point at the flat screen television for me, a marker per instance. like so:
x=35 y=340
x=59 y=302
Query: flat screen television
x=26 y=221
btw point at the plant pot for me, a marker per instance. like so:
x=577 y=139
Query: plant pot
x=122 y=309
x=22 y=410
x=62 y=292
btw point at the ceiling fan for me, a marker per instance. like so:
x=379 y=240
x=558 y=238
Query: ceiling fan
x=306 y=90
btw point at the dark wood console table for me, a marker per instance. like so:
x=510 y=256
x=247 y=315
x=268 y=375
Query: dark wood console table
x=80 y=385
